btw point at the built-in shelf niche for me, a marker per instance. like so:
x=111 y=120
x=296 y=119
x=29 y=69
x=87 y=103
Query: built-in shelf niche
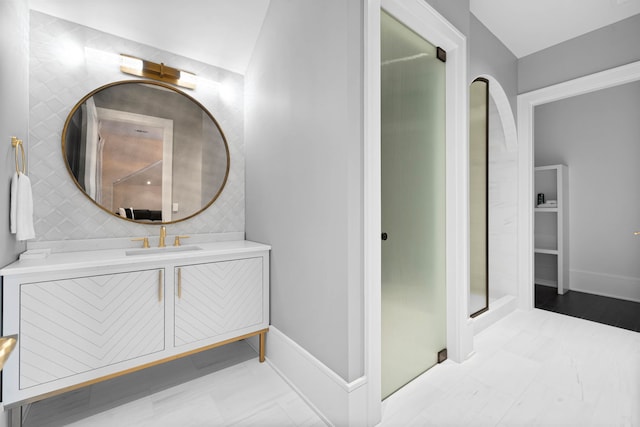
x=551 y=227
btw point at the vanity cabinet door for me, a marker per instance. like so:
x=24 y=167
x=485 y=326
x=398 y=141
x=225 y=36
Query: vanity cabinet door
x=72 y=326
x=216 y=298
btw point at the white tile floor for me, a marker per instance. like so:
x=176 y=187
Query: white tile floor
x=531 y=368
x=226 y=386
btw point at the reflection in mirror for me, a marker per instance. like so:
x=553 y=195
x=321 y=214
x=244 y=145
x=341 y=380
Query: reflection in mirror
x=145 y=151
x=478 y=196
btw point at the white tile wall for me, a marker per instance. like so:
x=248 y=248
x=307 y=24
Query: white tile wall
x=503 y=192
x=67 y=62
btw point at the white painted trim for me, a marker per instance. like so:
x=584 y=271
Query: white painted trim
x=498 y=310
x=546 y=282
x=617 y=286
x=421 y=17
x=526 y=104
x=372 y=221
x=336 y=401
x=499 y=96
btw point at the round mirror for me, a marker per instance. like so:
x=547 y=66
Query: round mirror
x=145 y=151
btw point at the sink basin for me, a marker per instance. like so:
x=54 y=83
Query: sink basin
x=165 y=250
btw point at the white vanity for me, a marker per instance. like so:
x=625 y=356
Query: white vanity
x=84 y=317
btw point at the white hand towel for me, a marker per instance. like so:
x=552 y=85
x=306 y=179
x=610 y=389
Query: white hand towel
x=24 y=209
x=14 y=202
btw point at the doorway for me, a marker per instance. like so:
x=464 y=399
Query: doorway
x=127 y=181
x=526 y=104
x=413 y=192
x=594 y=136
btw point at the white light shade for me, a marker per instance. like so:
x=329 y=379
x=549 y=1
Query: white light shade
x=130 y=62
x=187 y=77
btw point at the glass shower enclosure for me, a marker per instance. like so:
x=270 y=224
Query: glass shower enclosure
x=413 y=204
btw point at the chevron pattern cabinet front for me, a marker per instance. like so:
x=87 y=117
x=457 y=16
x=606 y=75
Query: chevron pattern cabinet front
x=217 y=298
x=72 y=326
x=88 y=316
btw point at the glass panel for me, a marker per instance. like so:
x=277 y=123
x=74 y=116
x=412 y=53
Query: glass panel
x=478 y=177
x=413 y=205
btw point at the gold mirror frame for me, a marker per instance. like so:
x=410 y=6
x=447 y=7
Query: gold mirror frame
x=82 y=101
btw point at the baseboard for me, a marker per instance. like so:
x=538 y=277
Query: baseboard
x=498 y=309
x=337 y=402
x=607 y=285
x=545 y=282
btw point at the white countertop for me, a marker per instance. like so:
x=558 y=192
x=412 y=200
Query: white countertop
x=111 y=257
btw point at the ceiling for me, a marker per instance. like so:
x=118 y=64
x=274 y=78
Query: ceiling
x=526 y=27
x=230 y=27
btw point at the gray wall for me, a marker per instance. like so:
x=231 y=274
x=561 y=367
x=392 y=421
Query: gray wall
x=14 y=113
x=304 y=173
x=596 y=135
x=488 y=56
x=605 y=48
x=455 y=11
x=14 y=109
x=304 y=165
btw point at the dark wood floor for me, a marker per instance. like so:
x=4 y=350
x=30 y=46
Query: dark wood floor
x=610 y=311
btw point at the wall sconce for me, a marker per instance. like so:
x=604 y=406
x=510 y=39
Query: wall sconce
x=142 y=68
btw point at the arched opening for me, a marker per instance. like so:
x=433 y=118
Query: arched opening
x=501 y=209
x=479 y=196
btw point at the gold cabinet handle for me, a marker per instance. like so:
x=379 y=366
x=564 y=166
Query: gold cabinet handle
x=179 y=283
x=160 y=286
x=636 y=233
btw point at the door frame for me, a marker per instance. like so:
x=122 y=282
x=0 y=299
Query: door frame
x=426 y=21
x=167 y=148
x=526 y=105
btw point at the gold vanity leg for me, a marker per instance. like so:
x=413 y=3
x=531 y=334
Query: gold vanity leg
x=262 y=339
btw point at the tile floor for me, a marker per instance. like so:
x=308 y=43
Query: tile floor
x=610 y=311
x=533 y=368
x=226 y=386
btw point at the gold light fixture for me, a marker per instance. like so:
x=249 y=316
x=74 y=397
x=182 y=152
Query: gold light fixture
x=143 y=68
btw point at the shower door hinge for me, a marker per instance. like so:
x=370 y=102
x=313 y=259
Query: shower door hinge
x=441 y=54
x=442 y=355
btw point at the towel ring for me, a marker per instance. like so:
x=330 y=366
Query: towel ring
x=15 y=143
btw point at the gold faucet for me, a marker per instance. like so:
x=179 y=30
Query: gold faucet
x=144 y=240
x=163 y=234
x=177 y=242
